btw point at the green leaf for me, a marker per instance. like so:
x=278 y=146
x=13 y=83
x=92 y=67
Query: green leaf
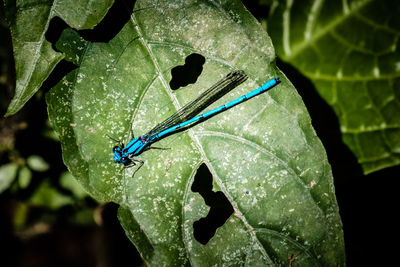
x=24 y=177
x=8 y=172
x=20 y=215
x=69 y=182
x=264 y=154
x=350 y=51
x=37 y=163
x=48 y=197
x=33 y=55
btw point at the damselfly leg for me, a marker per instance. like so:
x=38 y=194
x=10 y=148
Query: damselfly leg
x=116 y=140
x=138 y=162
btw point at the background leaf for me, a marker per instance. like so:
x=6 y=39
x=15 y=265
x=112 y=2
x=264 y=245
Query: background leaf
x=67 y=181
x=8 y=172
x=47 y=196
x=37 y=163
x=33 y=55
x=264 y=155
x=24 y=177
x=349 y=49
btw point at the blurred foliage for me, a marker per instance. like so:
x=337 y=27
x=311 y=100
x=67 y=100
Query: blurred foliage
x=8 y=172
x=36 y=190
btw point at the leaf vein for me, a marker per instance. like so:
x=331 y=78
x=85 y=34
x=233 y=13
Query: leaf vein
x=323 y=31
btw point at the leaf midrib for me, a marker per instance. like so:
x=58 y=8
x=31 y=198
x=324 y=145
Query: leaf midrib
x=315 y=37
x=20 y=93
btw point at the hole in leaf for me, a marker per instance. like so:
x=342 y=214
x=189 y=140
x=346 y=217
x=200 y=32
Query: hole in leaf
x=115 y=19
x=54 y=31
x=220 y=208
x=117 y=16
x=60 y=71
x=187 y=74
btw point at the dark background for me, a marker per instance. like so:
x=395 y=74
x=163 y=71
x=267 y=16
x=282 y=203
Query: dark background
x=367 y=202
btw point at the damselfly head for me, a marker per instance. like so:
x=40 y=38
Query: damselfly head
x=120 y=156
x=117 y=154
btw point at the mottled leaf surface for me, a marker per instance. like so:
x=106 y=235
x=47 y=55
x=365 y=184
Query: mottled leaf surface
x=33 y=55
x=350 y=51
x=264 y=155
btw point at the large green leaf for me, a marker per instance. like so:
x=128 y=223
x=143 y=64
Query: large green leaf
x=264 y=155
x=33 y=55
x=350 y=51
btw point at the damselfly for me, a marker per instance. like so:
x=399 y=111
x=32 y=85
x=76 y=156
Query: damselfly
x=186 y=116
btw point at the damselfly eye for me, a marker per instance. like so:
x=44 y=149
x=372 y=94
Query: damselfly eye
x=115 y=148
